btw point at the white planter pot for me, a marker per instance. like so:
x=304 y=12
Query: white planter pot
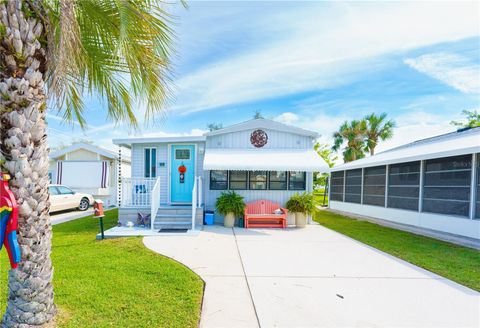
x=300 y=220
x=291 y=218
x=229 y=220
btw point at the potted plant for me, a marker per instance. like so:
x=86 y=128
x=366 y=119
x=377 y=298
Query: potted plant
x=302 y=205
x=230 y=205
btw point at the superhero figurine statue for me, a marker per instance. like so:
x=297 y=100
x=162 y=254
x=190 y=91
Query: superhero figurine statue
x=8 y=221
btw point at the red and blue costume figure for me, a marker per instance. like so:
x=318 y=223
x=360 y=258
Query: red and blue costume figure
x=9 y=222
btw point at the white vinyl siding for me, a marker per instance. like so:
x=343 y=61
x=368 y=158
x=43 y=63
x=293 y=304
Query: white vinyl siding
x=276 y=140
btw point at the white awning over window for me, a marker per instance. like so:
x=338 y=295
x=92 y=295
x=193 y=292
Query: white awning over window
x=264 y=160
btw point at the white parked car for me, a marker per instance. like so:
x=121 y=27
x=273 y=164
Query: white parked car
x=64 y=198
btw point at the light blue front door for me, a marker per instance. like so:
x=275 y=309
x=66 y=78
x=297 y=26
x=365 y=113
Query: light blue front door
x=181 y=186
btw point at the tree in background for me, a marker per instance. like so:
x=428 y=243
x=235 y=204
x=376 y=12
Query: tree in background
x=473 y=120
x=214 y=126
x=353 y=133
x=377 y=128
x=119 y=50
x=324 y=151
x=258 y=114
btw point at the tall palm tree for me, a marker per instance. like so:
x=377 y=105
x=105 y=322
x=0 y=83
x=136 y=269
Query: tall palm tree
x=378 y=128
x=353 y=133
x=63 y=49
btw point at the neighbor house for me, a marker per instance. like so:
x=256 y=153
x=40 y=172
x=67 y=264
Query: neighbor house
x=174 y=179
x=432 y=184
x=89 y=169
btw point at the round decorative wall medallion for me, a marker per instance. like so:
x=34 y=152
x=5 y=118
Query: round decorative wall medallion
x=259 y=138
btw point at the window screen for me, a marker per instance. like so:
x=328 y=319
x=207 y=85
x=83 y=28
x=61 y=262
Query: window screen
x=277 y=180
x=218 y=180
x=374 y=185
x=336 y=186
x=258 y=180
x=446 y=188
x=238 y=180
x=403 y=185
x=353 y=186
x=296 y=180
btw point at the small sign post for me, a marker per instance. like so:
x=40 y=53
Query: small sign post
x=98 y=213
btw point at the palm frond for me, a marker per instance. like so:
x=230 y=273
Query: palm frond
x=119 y=50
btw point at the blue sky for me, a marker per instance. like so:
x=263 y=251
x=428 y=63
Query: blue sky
x=313 y=64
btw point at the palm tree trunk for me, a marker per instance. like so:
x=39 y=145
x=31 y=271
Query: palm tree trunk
x=24 y=149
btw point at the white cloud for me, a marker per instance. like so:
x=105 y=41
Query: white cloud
x=328 y=45
x=287 y=117
x=452 y=69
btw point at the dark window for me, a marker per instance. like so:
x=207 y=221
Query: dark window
x=296 y=180
x=150 y=160
x=404 y=185
x=182 y=153
x=446 y=186
x=238 y=180
x=218 y=180
x=353 y=186
x=336 y=186
x=374 y=185
x=258 y=180
x=277 y=180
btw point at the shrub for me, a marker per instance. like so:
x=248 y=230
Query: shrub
x=230 y=202
x=301 y=203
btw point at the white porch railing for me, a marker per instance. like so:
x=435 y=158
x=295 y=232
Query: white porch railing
x=137 y=192
x=196 y=198
x=155 y=203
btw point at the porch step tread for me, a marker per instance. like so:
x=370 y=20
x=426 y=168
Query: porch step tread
x=160 y=216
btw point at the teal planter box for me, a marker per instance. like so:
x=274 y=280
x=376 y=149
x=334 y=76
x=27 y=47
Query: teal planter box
x=209 y=218
x=240 y=222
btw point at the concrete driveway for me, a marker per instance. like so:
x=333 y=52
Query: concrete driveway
x=65 y=216
x=313 y=277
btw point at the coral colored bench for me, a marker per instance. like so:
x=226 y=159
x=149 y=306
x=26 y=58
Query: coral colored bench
x=260 y=214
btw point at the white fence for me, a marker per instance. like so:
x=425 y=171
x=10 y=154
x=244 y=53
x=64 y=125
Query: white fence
x=137 y=192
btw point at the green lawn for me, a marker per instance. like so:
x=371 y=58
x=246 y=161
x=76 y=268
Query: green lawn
x=116 y=282
x=460 y=264
x=319 y=197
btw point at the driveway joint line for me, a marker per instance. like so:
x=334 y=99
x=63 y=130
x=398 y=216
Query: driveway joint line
x=246 y=278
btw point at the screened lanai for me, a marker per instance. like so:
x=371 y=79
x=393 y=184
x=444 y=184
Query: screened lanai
x=432 y=183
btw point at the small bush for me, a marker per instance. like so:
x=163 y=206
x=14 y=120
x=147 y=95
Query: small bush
x=301 y=203
x=230 y=202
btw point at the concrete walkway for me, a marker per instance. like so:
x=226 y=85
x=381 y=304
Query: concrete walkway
x=313 y=277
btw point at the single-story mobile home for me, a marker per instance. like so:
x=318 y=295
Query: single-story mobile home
x=432 y=183
x=174 y=179
x=89 y=169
